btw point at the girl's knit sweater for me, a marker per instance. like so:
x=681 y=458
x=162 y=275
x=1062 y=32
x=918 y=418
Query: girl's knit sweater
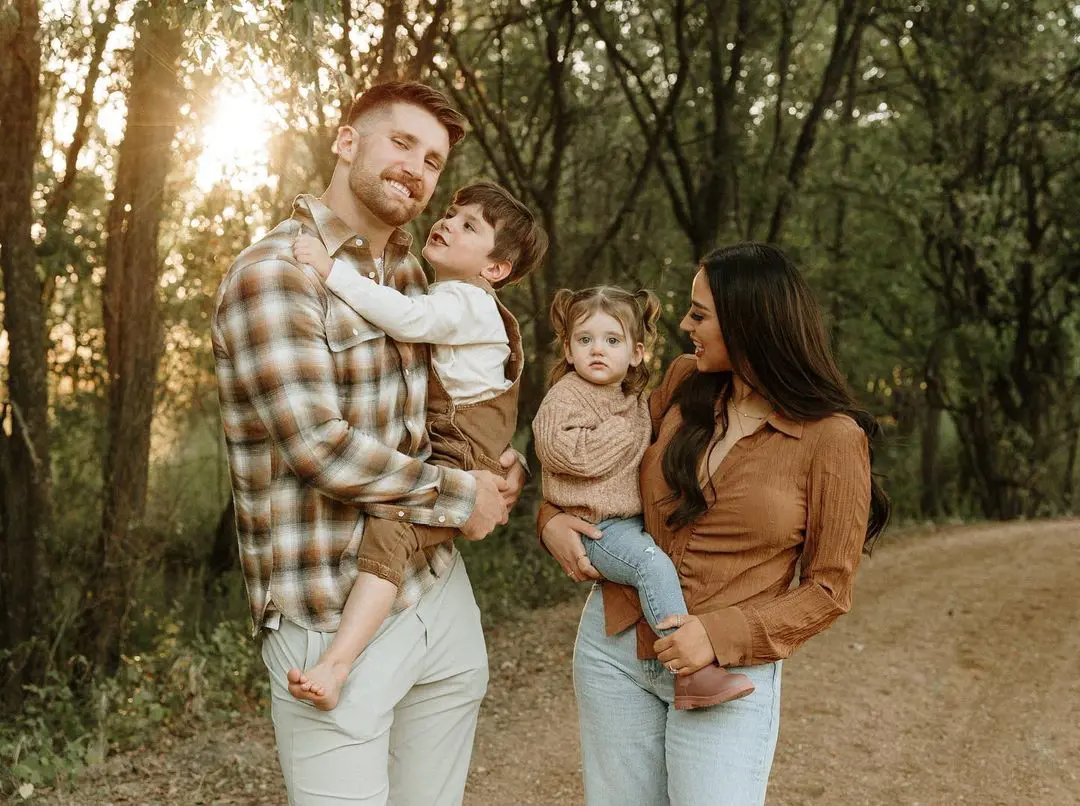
x=590 y=440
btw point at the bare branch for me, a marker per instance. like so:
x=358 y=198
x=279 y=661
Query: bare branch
x=849 y=28
x=425 y=47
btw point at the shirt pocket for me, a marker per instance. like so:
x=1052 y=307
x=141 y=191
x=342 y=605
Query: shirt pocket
x=345 y=328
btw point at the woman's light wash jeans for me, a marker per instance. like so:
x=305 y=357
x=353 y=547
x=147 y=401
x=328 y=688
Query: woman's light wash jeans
x=637 y=750
x=627 y=554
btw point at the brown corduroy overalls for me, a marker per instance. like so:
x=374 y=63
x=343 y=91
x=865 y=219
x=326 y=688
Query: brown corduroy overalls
x=469 y=437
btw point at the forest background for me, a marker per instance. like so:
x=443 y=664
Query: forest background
x=919 y=160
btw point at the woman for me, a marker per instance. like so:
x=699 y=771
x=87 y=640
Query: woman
x=760 y=458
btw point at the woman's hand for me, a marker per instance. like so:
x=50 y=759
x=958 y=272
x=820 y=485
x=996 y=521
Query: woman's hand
x=687 y=649
x=562 y=536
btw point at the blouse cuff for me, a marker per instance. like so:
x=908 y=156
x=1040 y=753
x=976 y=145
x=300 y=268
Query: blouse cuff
x=730 y=636
x=545 y=513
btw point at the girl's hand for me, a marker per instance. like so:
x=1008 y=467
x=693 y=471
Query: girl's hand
x=309 y=249
x=562 y=537
x=687 y=649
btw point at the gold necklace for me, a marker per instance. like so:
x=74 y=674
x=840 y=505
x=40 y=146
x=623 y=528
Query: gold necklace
x=742 y=413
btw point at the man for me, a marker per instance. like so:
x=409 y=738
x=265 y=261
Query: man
x=324 y=422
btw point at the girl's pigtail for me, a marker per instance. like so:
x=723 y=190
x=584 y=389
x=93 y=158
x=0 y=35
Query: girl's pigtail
x=560 y=306
x=650 y=307
x=646 y=305
x=560 y=313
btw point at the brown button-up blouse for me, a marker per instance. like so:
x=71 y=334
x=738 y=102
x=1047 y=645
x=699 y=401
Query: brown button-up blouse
x=791 y=490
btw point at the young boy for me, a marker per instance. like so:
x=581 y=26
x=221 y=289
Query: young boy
x=485 y=240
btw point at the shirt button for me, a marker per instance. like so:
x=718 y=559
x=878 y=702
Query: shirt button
x=359 y=241
x=442 y=519
x=355 y=332
x=371 y=274
x=401 y=513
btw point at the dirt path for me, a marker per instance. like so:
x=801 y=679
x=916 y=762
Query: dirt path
x=956 y=679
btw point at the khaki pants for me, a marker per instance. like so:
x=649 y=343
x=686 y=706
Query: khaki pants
x=403 y=730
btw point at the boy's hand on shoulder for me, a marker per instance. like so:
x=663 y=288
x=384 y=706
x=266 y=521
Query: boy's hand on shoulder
x=309 y=249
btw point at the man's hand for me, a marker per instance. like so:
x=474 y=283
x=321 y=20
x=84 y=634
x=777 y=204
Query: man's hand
x=562 y=536
x=489 y=510
x=515 y=477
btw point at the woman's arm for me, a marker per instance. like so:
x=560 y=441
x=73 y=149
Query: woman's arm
x=838 y=505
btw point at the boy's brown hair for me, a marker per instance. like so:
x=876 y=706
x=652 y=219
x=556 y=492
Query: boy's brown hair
x=519 y=239
x=415 y=93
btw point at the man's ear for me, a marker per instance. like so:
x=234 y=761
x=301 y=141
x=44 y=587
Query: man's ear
x=497 y=272
x=346 y=142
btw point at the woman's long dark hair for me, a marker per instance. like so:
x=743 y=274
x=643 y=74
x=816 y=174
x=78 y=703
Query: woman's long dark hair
x=771 y=325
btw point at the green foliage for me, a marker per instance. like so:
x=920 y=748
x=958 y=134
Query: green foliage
x=935 y=219
x=511 y=572
x=179 y=684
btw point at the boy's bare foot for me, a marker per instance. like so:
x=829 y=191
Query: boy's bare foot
x=320 y=685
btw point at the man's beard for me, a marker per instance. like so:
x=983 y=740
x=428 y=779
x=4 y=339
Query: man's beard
x=370 y=190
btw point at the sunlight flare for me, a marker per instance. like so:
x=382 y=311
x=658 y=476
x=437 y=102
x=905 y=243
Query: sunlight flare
x=236 y=139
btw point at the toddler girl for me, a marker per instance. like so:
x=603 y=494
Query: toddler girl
x=591 y=432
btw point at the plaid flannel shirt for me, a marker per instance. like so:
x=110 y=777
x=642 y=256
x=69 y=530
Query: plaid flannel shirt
x=324 y=423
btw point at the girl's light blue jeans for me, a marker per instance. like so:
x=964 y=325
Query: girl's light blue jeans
x=627 y=554
x=637 y=749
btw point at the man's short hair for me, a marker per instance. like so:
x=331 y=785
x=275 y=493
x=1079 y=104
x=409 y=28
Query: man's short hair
x=519 y=239
x=415 y=93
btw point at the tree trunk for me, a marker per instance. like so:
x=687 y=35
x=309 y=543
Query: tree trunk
x=426 y=44
x=995 y=491
x=223 y=555
x=24 y=437
x=929 y=444
x=131 y=315
x=844 y=48
x=393 y=18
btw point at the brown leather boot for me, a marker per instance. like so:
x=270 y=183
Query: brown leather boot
x=710 y=685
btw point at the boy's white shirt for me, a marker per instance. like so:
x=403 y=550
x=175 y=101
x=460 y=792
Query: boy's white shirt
x=461 y=322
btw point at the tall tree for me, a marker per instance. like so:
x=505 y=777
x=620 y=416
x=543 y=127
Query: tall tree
x=133 y=336
x=512 y=74
x=851 y=19
x=644 y=45
x=24 y=430
x=995 y=140
x=708 y=148
x=61 y=197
